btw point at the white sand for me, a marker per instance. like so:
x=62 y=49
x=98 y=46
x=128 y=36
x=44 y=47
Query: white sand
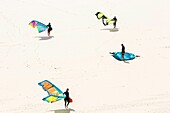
x=78 y=58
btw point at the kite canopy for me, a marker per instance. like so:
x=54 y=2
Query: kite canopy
x=127 y=56
x=100 y=15
x=40 y=26
x=54 y=93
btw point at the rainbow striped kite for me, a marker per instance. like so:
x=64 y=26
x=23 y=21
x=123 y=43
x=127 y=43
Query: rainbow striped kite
x=54 y=93
x=40 y=26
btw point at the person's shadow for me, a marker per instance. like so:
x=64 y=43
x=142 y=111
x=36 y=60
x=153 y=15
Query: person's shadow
x=63 y=110
x=44 y=37
x=111 y=29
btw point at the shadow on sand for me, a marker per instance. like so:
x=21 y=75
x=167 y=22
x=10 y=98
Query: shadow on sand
x=44 y=37
x=62 y=110
x=111 y=29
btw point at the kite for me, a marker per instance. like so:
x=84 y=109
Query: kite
x=54 y=93
x=100 y=15
x=40 y=26
x=127 y=56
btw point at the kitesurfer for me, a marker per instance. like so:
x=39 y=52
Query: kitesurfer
x=114 y=21
x=66 y=99
x=49 y=29
x=123 y=51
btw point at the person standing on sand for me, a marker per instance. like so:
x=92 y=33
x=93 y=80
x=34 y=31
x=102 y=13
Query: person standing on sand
x=123 y=51
x=114 y=21
x=66 y=99
x=49 y=29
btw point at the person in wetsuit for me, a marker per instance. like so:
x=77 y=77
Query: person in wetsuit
x=123 y=51
x=114 y=21
x=66 y=99
x=49 y=29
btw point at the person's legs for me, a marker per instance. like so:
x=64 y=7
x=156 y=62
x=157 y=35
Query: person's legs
x=65 y=102
x=48 y=32
x=123 y=56
x=114 y=24
x=68 y=102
